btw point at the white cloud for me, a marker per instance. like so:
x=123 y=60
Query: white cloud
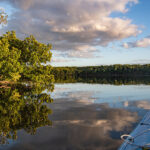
x=72 y=25
x=145 y=42
x=143 y=104
x=54 y=60
x=108 y=117
x=125 y=45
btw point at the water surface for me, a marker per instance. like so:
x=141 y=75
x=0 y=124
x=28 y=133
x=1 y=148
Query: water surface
x=81 y=116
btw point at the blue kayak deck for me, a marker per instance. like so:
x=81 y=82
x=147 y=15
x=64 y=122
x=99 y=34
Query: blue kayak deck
x=139 y=139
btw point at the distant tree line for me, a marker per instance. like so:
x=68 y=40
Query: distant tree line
x=115 y=74
x=111 y=70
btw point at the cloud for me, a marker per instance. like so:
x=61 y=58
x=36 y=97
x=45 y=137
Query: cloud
x=126 y=45
x=105 y=122
x=145 y=42
x=79 y=51
x=80 y=54
x=142 y=61
x=57 y=60
x=72 y=25
x=80 y=129
x=142 y=104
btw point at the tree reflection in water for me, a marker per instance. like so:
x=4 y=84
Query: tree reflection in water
x=23 y=107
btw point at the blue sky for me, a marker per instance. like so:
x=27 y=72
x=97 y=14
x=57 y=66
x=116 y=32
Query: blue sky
x=85 y=32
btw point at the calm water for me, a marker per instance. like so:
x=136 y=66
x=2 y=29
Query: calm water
x=80 y=117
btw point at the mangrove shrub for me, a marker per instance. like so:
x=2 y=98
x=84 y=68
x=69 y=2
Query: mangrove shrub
x=24 y=59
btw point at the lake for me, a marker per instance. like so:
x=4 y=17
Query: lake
x=75 y=116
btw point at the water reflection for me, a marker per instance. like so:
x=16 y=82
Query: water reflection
x=93 y=127
x=115 y=80
x=22 y=107
x=102 y=93
x=85 y=116
x=83 y=128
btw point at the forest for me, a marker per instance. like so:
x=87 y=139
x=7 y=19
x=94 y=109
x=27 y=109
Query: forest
x=102 y=71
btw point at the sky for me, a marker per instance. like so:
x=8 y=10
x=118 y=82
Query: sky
x=85 y=32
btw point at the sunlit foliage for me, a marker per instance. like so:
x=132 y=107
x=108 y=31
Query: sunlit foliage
x=23 y=107
x=24 y=59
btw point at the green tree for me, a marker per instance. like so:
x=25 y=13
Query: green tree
x=10 y=67
x=24 y=59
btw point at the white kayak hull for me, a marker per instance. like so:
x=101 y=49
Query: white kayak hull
x=140 y=138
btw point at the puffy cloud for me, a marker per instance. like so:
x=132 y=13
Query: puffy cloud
x=145 y=42
x=142 y=104
x=72 y=25
x=125 y=45
x=57 y=60
x=82 y=128
x=105 y=122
